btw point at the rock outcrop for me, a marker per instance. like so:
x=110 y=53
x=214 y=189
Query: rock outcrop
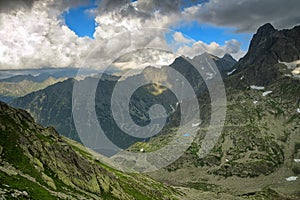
x=37 y=163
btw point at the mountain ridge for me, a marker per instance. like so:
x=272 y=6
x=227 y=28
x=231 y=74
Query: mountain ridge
x=267 y=47
x=36 y=163
x=50 y=112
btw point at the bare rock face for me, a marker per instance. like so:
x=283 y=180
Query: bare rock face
x=267 y=47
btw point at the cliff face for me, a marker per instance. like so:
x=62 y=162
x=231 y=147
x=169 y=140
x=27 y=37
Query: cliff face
x=269 y=46
x=36 y=163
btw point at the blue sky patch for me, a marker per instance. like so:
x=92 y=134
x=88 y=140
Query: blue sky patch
x=208 y=34
x=80 y=20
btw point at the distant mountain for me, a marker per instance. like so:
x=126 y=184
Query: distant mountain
x=53 y=105
x=225 y=64
x=37 y=163
x=19 y=78
x=58 y=112
x=21 y=85
x=24 y=82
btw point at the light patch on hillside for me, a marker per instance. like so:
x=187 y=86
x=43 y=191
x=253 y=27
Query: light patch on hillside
x=296 y=72
x=266 y=93
x=292 y=178
x=290 y=65
x=156 y=89
x=254 y=87
x=231 y=72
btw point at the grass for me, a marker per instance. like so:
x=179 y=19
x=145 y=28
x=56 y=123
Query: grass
x=13 y=140
x=155 y=143
x=85 y=154
x=13 y=154
x=136 y=185
x=44 y=138
x=20 y=183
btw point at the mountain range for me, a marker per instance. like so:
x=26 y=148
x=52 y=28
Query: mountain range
x=257 y=155
x=18 y=83
x=259 y=147
x=53 y=105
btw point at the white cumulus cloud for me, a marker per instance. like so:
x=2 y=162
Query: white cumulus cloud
x=191 y=48
x=33 y=33
x=36 y=37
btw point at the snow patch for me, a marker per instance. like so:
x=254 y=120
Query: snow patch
x=242 y=77
x=255 y=102
x=296 y=72
x=292 y=178
x=290 y=65
x=231 y=72
x=254 y=87
x=298 y=110
x=195 y=125
x=266 y=93
x=297 y=160
x=293 y=66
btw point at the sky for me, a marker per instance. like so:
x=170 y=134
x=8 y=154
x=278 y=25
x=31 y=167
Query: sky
x=95 y=33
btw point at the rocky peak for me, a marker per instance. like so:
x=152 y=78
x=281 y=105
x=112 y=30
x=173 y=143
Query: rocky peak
x=261 y=38
x=229 y=60
x=267 y=47
x=227 y=56
x=265 y=29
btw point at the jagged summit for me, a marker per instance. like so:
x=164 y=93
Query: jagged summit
x=259 y=39
x=265 y=29
x=228 y=56
x=267 y=47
